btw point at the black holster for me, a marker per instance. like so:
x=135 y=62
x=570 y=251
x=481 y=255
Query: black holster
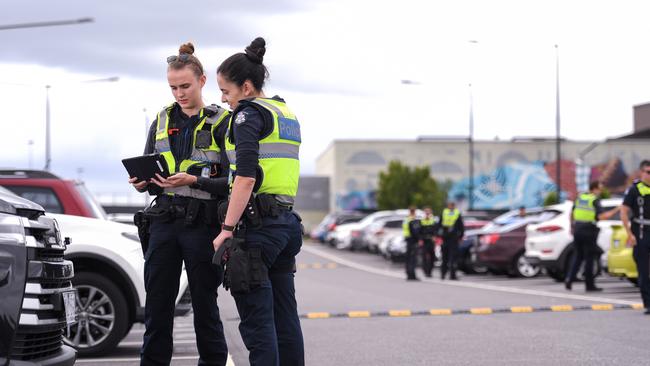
x=142 y=222
x=245 y=269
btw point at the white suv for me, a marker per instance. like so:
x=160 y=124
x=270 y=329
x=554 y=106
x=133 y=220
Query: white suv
x=109 y=278
x=549 y=244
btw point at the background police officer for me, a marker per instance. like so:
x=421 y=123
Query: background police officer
x=635 y=213
x=411 y=232
x=452 y=230
x=262 y=145
x=427 y=231
x=585 y=214
x=183 y=221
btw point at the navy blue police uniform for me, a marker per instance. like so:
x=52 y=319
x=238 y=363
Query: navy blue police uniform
x=412 y=247
x=270 y=326
x=450 y=238
x=586 y=249
x=637 y=198
x=427 y=231
x=174 y=240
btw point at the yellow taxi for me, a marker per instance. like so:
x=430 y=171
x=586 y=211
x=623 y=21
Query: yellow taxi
x=620 y=262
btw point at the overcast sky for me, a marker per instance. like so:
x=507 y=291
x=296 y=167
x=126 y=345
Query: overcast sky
x=337 y=63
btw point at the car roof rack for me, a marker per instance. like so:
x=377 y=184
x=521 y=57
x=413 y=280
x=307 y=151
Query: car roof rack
x=26 y=173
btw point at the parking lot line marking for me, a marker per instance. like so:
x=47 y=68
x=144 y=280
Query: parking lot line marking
x=129 y=359
x=359 y=314
x=561 y=308
x=514 y=290
x=398 y=313
x=480 y=311
x=600 y=307
x=318 y=315
x=637 y=306
x=521 y=309
x=440 y=312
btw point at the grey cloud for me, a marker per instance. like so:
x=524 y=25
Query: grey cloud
x=125 y=31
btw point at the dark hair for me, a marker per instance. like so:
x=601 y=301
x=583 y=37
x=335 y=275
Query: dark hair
x=186 y=58
x=644 y=163
x=594 y=185
x=247 y=65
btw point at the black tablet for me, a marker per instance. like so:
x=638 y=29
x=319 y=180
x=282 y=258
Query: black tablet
x=145 y=167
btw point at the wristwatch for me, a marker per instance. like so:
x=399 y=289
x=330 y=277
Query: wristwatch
x=225 y=227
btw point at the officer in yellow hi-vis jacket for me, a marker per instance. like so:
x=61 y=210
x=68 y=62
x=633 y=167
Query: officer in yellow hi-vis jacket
x=427 y=230
x=261 y=231
x=452 y=230
x=585 y=214
x=183 y=222
x=411 y=232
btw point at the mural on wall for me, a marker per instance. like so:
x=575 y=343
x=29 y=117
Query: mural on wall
x=515 y=183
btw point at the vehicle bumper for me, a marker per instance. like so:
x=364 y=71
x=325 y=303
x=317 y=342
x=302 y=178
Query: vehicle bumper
x=66 y=357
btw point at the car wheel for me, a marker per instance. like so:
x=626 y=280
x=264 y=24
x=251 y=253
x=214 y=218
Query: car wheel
x=523 y=268
x=474 y=264
x=102 y=314
x=581 y=272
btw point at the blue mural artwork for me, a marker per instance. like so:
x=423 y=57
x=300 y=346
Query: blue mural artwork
x=507 y=187
x=357 y=200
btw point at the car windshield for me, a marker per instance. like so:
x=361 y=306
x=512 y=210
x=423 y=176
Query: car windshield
x=94 y=207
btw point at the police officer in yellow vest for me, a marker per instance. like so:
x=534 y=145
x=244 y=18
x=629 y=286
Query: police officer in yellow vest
x=585 y=214
x=184 y=220
x=262 y=145
x=427 y=231
x=452 y=230
x=635 y=214
x=411 y=232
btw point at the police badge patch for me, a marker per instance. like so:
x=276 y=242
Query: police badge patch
x=241 y=118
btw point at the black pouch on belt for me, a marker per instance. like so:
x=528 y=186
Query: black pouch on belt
x=142 y=222
x=192 y=212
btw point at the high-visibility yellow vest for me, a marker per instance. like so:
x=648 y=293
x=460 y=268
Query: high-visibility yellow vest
x=449 y=217
x=427 y=222
x=278 y=154
x=406 y=227
x=210 y=117
x=584 y=210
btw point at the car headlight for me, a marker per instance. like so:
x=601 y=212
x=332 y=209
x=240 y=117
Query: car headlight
x=132 y=236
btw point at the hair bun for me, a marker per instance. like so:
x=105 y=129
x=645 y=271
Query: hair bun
x=256 y=50
x=187 y=48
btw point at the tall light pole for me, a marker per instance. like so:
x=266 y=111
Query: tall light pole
x=558 y=169
x=48 y=142
x=46 y=24
x=470 y=199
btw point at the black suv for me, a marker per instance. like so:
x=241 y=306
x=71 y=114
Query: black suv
x=38 y=300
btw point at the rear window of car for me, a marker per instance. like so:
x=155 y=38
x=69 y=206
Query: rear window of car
x=348 y=219
x=42 y=195
x=393 y=224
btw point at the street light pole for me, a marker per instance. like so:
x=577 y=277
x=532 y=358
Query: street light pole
x=471 y=149
x=558 y=169
x=48 y=156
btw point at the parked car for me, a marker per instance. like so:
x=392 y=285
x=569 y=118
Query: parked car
x=109 y=281
x=550 y=243
x=501 y=243
x=349 y=236
x=620 y=262
x=56 y=195
x=38 y=300
x=374 y=233
x=331 y=221
x=467 y=261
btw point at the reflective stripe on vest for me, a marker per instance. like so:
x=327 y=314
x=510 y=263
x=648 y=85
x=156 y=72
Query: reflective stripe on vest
x=278 y=152
x=209 y=155
x=584 y=210
x=449 y=217
x=406 y=229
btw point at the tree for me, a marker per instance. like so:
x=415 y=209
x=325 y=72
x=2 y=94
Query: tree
x=402 y=186
x=551 y=199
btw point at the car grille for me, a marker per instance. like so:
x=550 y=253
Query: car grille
x=42 y=317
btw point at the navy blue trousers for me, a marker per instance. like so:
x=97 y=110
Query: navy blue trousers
x=270 y=327
x=170 y=244
x=641 y=253
x=586 y=250
x=411 y=257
